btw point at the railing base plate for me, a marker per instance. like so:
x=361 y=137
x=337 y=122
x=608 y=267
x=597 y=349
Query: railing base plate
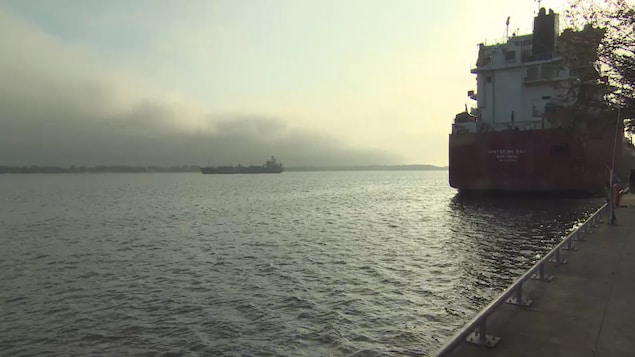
x=475 y=338
x=522 y=302
x=543 y=278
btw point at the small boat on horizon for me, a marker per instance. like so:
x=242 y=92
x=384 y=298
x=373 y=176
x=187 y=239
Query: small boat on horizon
x=271 y=166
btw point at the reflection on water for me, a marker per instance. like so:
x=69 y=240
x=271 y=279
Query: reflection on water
x=330 y=263
x=500 y=237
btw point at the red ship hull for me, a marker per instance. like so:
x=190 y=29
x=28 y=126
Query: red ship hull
x=537 y=160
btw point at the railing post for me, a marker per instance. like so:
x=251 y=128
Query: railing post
x=570 y=247
x=517 y=298
x=578 y=236
x=541 y=274
x=558 y=259
x=601 y=215
x=480 y=336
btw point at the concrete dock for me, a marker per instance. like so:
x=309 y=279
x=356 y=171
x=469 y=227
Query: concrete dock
x=588 y=309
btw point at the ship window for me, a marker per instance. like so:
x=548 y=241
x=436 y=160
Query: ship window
x=525 y=55
x=548 y=71
x=546 y=97
x=532 y=73
x=489 y=79
x=510 y=56
x=550 y=108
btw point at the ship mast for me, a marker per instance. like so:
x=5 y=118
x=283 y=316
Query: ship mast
x=507 y=29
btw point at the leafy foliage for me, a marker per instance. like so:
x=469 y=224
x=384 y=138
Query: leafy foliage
x=616 y=51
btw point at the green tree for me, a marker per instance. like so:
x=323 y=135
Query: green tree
x=616 y=51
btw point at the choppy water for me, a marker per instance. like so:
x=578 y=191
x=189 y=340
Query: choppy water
x=330 y=263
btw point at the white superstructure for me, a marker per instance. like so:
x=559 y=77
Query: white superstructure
x=519 y=81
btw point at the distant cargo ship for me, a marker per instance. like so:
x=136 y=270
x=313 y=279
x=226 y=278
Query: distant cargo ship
x=537 y=125
x=270 y=167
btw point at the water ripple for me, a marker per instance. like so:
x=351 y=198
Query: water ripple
x=351 y=264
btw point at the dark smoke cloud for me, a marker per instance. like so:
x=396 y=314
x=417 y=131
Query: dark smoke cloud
x=45 y=132
x=58 y=106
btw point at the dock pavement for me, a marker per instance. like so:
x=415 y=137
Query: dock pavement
x=588 y=309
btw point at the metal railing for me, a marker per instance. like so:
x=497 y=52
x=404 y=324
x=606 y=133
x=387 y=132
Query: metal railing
x=475 y=331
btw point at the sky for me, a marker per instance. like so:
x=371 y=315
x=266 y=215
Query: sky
x=171 y=82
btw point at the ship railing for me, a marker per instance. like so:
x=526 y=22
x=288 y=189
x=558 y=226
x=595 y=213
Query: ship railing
x=531 y=124
x=475 y=331
x=461 y=128
x=472 y=127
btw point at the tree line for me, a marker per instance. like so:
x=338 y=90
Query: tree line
x=616 y=50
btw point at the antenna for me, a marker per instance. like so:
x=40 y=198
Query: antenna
x=539 y=2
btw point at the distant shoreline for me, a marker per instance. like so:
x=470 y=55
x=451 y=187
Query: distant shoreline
x=369 y=168
x=193 y=168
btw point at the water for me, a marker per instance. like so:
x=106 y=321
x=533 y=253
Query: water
x=328 y=263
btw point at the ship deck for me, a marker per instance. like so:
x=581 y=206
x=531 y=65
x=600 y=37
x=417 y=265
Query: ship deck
x=587 y=310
